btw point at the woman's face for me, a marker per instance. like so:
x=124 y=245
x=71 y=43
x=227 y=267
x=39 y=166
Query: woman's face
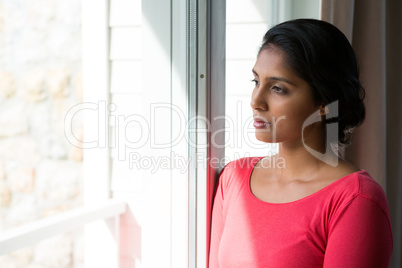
x=281 y=100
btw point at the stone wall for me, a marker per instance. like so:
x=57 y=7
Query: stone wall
x=40 y=80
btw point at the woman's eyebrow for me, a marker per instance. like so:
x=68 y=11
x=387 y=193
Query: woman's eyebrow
x=282 y=79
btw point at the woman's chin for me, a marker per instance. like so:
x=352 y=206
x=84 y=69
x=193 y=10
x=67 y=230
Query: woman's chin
x=264 y=138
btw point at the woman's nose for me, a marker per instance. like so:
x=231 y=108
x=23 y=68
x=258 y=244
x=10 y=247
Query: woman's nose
x=259 y=100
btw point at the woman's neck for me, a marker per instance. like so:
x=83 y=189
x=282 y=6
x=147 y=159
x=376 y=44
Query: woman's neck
x=302 y=159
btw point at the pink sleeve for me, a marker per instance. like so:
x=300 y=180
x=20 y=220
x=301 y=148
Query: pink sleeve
x=216 y=227
x=359 y=236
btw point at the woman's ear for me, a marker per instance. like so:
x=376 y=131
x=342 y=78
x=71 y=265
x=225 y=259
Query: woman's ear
x=324 y=110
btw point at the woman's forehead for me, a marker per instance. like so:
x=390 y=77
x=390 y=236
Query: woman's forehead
x=269 y=62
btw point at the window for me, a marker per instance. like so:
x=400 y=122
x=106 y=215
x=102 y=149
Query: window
x=135 y=92
x=155 y=127
x=149 y=67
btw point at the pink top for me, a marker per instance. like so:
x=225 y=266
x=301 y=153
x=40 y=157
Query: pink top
x=345 y=224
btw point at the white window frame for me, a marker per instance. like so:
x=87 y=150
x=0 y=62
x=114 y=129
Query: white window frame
x=98 y=238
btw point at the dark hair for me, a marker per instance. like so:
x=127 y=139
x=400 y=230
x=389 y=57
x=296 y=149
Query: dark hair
x=321 y=55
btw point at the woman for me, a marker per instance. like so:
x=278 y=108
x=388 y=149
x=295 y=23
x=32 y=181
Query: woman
x=315 y=210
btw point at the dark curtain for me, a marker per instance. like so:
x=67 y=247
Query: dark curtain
x=374 y=27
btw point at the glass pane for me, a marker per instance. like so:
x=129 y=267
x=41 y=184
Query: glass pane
x=246 y=23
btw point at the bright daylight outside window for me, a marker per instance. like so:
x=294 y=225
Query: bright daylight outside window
x=246 y=23
x=40 y=171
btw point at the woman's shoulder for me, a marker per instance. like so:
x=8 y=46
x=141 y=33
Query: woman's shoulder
x=361 y=199
x=370 y=188
x=355 y=181
x=240 y=167
x=241 y=164
x=236 y=171
x=360 y=185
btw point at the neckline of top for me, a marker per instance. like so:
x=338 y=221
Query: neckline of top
x=332 y=184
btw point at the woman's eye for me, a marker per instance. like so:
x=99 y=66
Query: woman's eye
x=256 y=82
x=277 y=89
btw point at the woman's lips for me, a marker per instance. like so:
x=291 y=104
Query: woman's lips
x=260 y=124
